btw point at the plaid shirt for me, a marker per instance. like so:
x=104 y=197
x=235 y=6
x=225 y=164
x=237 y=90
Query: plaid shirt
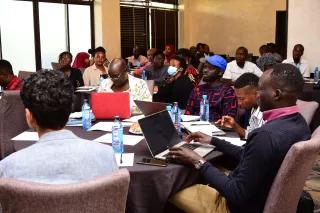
x=222 y=101
x=14 y=84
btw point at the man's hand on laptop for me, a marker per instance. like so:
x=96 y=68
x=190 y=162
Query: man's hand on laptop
x=199 y=137
x=184 y=156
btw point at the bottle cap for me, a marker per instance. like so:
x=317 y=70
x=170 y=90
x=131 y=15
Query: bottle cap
x=204 y=96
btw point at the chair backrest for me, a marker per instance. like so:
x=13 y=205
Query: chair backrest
x=24 y=74
x=12 y=120
x=105 y=194
x=307 y=109
x=287 y=186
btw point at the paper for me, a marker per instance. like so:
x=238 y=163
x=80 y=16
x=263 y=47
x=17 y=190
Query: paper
x=130 y=140
x=86 y=89
x=134 y=119
x=26 y=136
x=202 y=126
x=75 y=115
x=106 y=126
x=233 y=140
x=187 y=118
x=127 y=159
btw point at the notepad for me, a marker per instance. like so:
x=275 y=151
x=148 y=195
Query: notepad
x=106 y=126
x=134 y=119
x=187 y=118
x=129 y=140
x=204 y=127
x=26 y=136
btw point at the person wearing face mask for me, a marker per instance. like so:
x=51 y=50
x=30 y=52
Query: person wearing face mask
x=92 y=74
x=246 y=88
x=121 y=81
x=177 y=86
x=221 y=97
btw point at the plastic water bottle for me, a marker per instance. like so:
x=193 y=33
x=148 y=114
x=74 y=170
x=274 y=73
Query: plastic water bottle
x=316 y=75
x=86 y=115
x=204 y=109
x=143 y=75
x=169 y=109
x=177 y=116
x=117 y=135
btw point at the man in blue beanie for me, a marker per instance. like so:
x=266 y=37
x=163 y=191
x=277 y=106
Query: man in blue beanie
x=221 y=97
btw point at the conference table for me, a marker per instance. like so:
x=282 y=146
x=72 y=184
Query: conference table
x=150 y=186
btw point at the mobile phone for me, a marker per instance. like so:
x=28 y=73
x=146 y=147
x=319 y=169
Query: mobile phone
x=153 y=162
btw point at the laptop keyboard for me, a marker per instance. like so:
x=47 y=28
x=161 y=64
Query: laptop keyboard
x=188 y=146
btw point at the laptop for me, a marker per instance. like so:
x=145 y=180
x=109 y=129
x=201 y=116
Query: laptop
x=148 y=108
x=107 y=105
x=160 y=135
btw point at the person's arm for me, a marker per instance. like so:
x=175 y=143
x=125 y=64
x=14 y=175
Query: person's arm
x=257 y=71
x=191 y=103
x=227 y=73
x=251 y=172
x=230 y=150
x=229 y=103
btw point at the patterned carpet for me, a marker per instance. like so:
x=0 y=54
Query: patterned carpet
x=312 y=184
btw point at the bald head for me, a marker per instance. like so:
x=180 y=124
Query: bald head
x=118 y=71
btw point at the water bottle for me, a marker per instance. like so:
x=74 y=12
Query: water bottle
x=117 y=135
x=204 y=109
x=316 y=75
x=143 y=75
x=177 y=116
x=169 y=109
x=86 y=115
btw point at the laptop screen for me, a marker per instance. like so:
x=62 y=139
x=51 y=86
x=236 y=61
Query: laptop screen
x=159 y=132
x=148 y=108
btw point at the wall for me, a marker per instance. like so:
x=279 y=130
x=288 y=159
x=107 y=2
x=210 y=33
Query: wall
x=304 y=28
x=107 y=26
x=227 y=24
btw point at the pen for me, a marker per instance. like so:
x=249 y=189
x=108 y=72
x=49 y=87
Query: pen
x=121 y=158
x=200 y=124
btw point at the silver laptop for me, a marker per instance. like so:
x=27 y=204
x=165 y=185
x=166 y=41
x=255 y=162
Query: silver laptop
x=160 y=135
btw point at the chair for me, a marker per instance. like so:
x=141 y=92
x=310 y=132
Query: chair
x=307 y=109
x=24 y=74
x=12 y=120
x=287 y=186
x=105 y=194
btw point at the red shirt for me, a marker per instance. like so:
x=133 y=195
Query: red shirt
x=14 y=84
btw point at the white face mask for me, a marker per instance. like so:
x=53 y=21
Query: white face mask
x=172 y=70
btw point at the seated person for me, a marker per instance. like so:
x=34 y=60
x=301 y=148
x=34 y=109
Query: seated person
x=137 y=60
x=246 y=87
x=59 y=157
x=73 y=74
x=81 y=61
x=150 y=56
x=247 y=187
x=169 y=52
x=92 y=74
x=158 y=71
x=298 y=61
x=239 y=66
x=177 y=86
x=121 y=81
x=221 y=97
x=190 y=70
x=8 y=81
x=266 y=61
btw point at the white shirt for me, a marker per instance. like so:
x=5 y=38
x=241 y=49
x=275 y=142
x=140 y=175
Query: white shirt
x=91 y=76
x=138 y=90
x=303 y=66
x=233 y=71
x=255 y=121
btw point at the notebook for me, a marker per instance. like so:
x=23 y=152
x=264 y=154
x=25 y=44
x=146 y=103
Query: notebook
x=160 y=135
x=107 y=105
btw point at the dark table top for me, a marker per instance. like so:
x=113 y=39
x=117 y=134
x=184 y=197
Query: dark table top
x=150 y=186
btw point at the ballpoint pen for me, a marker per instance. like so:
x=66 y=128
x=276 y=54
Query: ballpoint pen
x=121 y=158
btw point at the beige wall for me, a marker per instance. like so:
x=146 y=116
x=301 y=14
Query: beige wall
x=227 y=24
x=107 y=26
x=304 y=28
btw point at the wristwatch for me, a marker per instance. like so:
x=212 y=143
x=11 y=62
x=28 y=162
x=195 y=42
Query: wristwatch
x=199 y=164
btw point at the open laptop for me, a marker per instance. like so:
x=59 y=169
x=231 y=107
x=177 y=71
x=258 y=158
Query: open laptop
x=148 y=108
x=161 y=135
x=107 y=105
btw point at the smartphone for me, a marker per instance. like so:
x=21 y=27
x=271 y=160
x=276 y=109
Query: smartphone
x=153 y=162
